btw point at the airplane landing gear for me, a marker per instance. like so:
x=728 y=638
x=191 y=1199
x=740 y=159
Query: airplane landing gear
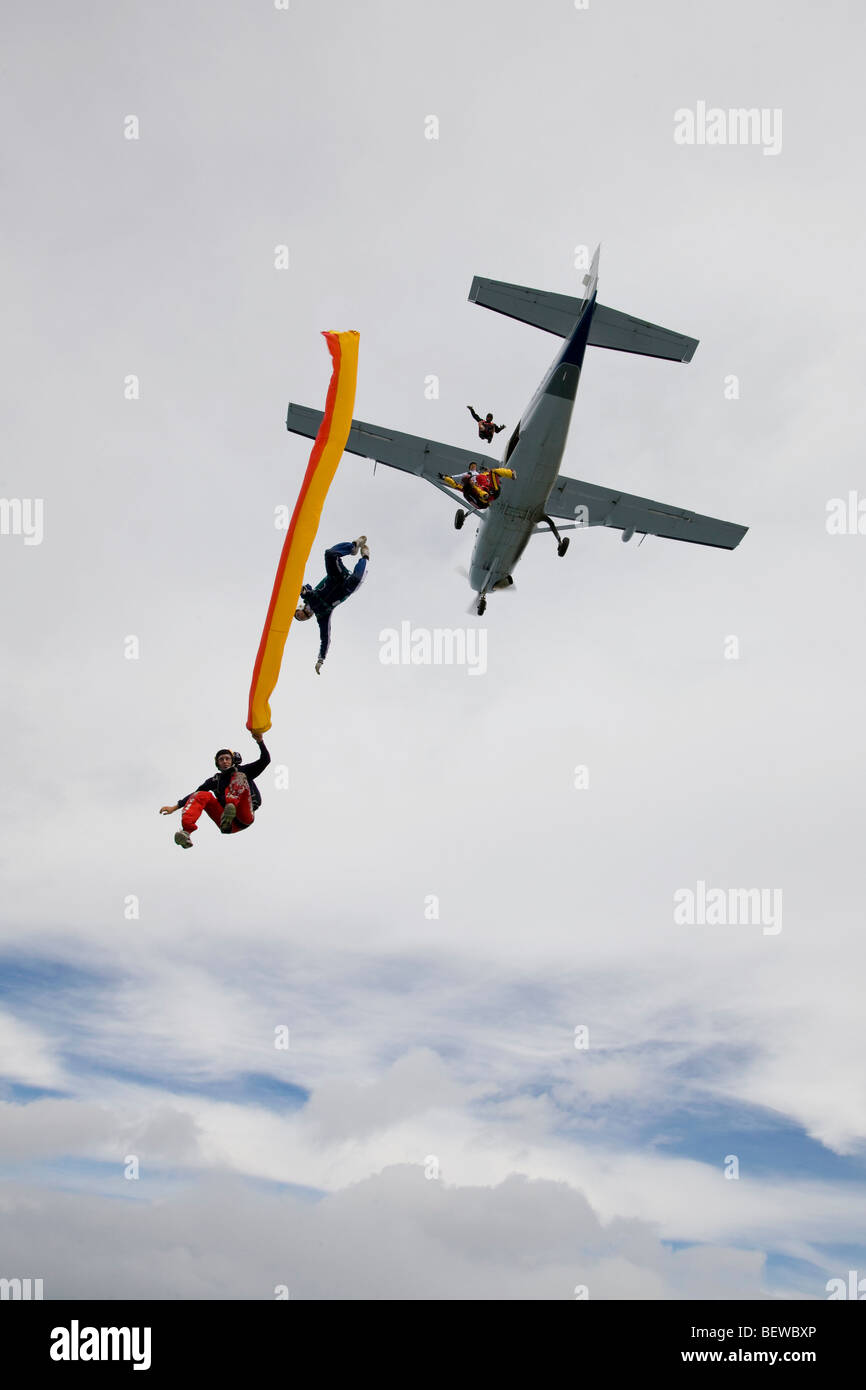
x=459 y=519
x=561 y=545
x=482 y=604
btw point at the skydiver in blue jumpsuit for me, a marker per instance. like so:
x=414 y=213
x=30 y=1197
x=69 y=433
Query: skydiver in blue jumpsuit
x=335 y=588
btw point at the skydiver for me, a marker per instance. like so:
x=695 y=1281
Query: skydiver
x=230 y=797
x=467 y=483
x=486 y=427
x=335 y=588
x=478 y=488
x=489 y=481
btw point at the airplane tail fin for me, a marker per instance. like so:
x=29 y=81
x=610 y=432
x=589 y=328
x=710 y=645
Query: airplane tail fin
x=560 y=314
x=590 y=280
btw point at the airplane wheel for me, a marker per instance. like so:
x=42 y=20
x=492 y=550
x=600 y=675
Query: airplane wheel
x=563 y=546
x=459 y=520
x=482 y=604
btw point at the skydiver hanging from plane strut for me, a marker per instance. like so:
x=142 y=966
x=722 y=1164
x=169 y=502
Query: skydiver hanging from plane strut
x=479 y=488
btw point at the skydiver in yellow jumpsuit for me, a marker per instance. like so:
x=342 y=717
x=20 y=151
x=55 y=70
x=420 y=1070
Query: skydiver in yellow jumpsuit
x=478 y=488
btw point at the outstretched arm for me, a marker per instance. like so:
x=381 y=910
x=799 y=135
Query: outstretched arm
x=472 y=413
x=499 y=428
x=253 y=769
x=325 y=631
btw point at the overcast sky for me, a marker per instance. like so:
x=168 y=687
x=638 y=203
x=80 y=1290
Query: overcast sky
x=431 y=906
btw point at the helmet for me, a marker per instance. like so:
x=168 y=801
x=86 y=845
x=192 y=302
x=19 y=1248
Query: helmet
x=235 y=757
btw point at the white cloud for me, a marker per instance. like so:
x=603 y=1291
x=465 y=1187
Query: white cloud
x=452 y=1035
x=27 y=1056
x=415 y=1084
x=392 y=1236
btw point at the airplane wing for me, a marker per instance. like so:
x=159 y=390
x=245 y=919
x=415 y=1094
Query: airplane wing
x=607 y=507
x=409 y=452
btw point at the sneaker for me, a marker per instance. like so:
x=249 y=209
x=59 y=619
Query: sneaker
x=227 y=819
x=359 y=545
x=182 y=838
x=365 y=551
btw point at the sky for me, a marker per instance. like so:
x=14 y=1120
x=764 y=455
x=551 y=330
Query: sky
x=434 y=1027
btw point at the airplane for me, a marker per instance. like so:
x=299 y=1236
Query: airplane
x=539 y=496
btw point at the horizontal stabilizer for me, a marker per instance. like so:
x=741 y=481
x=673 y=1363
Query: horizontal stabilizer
x=611 y=329
x=555 y=313
x=559 y=314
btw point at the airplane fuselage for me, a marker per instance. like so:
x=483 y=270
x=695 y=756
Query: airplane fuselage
x=535 y=452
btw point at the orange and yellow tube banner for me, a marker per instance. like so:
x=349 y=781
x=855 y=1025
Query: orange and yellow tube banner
x=327 y=452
